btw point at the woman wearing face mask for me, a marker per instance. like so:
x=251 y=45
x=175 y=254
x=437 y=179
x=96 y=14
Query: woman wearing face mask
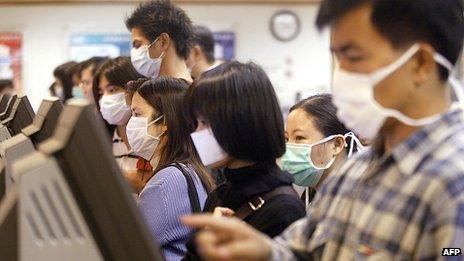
x=240 y=128
x=63 y=81
x=179 y=184
x=317 y=142
x=110 y=80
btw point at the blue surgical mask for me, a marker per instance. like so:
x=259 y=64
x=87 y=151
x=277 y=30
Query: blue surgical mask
x=77 y=92
x=307 y=162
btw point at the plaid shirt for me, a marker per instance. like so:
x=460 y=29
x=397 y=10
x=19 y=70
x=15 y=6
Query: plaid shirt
x=408 y=205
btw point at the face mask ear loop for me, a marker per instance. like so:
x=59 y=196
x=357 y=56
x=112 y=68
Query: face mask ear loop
x=456 y=85
x=354 y=140
x=458 y=90
x=307 y=198
x=146 y=129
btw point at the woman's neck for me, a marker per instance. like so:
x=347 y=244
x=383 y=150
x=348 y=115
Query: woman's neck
x=340 y=159
x=238 y=164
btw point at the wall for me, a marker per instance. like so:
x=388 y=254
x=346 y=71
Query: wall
x=303 y=64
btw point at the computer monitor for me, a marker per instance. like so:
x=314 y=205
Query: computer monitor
x=4 y=102
x=5 y=113
x=4 y=133
x=12 y=150
x=40 y=218
x=83 y=152
x=21 y=116
x=45 y=120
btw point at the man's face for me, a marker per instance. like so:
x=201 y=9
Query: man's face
x=139 y=39
x=360 y=48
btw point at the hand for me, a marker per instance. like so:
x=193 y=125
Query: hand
x=223 y=212
x=228 y=239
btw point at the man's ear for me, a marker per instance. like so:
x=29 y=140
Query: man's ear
x=424 y=65
x=165 y=41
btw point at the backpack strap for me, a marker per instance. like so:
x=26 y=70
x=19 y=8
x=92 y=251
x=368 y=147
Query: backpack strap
x=192 y=191
x=258 y=202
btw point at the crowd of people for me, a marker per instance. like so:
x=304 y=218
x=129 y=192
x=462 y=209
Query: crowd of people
x=193 y=135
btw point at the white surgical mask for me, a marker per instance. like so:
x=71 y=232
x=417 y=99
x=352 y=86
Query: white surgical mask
x=353 y=95
x=208 y=148
x=142 y=143
x=114 y=109
x=142 y=62
x=59 y=92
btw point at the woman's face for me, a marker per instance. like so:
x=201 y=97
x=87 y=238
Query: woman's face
x=202 y=124
x=86 y=82
x=141 y=108
x=107 y=89
x=300 y=129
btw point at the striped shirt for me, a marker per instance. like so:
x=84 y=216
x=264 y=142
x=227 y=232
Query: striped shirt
x=408 y=205
x=162 y=202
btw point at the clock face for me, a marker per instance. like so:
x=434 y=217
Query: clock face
x=285 y=26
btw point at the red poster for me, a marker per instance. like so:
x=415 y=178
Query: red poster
x=10 y=57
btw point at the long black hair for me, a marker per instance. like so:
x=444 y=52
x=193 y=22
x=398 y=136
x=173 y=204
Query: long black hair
x=166 y=96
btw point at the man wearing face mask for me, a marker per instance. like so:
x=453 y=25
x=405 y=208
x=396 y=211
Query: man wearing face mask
x=403 y=198
x=161 y=40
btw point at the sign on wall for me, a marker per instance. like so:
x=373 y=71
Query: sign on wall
x=10 y=57
x=87 y=45
x=224 y=48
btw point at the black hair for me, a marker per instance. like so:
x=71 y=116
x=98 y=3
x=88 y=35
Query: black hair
x=157 y=17
x=241 y=107
x=95 y=61
x=166 y=96
x=5 y=84
x=403 y=22
x=118 y=71
x=132 y=86
x=203 y=37
x=64 y=72
x=324 y=113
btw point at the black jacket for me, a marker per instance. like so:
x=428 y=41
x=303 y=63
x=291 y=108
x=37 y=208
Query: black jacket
x=243 y=185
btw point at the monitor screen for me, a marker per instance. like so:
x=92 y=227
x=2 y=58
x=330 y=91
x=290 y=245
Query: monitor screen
x=20 y=116
x=45 y=120
x=4 y=102
x=85 y=157
x=11 y=101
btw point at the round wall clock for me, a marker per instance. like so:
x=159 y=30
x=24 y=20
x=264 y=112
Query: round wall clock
x=285 y=25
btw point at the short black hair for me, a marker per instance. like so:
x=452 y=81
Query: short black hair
x=403 y=22
x=204 y=38
x=241 y=107
x=118 y=71
x=95 y=61
x=132 y=86
x=157 y=17
x=321 y=108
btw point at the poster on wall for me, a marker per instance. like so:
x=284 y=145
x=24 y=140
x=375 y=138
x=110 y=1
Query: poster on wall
x=10 y=57
x=224 y=48
x=86 y=45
